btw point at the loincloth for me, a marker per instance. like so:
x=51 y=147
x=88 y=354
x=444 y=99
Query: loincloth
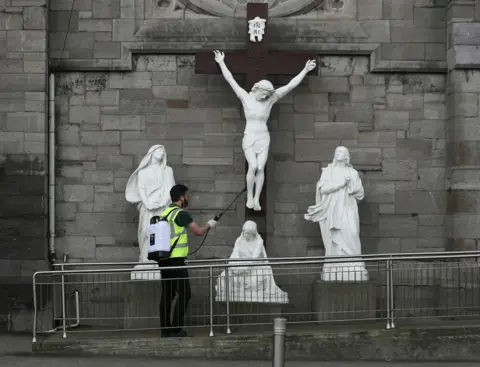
x=258 y=143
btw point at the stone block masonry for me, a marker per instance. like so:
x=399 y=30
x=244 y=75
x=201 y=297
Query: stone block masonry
x=462 y=133
x=407 y=35
x=23 y=152
x=108 y=121
x=412 y=131
x=392 y=124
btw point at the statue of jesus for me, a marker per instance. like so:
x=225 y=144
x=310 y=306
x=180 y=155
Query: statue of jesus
x=256 y=139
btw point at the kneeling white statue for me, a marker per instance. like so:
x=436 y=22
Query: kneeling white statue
x=249 y=283
x=336 y=210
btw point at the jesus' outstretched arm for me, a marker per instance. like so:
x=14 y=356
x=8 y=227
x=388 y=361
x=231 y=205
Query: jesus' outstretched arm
x=239 y=91
x=283 y=91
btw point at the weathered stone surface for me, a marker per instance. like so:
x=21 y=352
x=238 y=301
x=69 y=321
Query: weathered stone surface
x=207 y=156
x=391 y=120
x=336 y=130
x=444 y=343
x=379 y=192
x=407 y=126
x=23 y=120
x=77 y=247
x=106 y=9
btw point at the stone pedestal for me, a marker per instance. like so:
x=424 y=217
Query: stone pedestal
x=334 y=301
x=142 y=300
x=141 y=272
x=242 y=313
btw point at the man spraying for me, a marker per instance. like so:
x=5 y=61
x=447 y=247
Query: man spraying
x=175 y=281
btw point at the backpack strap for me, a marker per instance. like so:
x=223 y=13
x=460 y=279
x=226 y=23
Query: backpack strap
x=171 y=211
x=176 y=241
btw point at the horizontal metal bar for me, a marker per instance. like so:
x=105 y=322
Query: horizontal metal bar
x=310 y=262
x=364 y=256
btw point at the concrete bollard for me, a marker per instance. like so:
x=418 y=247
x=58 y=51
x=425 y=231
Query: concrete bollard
x=279 y=327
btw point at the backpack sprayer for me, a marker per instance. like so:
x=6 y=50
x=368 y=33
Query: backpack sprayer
x=159 y=234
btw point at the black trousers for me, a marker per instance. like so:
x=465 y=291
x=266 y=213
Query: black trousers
x=175 y=282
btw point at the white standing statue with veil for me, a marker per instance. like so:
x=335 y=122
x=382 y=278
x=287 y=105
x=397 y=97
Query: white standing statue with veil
x=336 y=210
x=149 y=187
x=257 y=105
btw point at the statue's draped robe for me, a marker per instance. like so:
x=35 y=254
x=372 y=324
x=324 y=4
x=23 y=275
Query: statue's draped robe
x=337 y=215
x=247 y=283
x=149 y=187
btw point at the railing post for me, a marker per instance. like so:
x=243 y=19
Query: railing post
x=64 y=308
x=387 y=287
x=227 y=298
x=279 y=327
x=392 y=304
x=35 y=310
x=211 y=300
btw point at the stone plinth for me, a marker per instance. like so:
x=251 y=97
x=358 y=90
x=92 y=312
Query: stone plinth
x=142 y=300
x=243 y=313
x=343 y=300
x=141 y=272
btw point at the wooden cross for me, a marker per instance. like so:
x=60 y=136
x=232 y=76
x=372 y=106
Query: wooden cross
x=256 y=62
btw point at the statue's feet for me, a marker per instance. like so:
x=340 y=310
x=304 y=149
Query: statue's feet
x=250 y=203
x=257 y=206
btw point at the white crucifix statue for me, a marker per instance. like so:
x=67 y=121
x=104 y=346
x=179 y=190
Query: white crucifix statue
x=256 y=29
x=257 y=104
x=257 y=98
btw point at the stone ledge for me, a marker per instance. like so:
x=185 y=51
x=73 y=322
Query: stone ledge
x=322 y=48
x=463 y=57
x=445 y=342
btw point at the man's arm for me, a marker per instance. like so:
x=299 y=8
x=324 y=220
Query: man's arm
x=184 y=219
x=198 y=230
x=283 y=91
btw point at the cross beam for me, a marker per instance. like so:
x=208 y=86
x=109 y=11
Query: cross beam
x=256 y=63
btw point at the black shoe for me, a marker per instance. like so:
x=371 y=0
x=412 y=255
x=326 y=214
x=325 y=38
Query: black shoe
x=167 y=333
x=181 y=334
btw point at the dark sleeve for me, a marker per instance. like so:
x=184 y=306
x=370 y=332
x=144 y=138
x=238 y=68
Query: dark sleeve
x=183 y=219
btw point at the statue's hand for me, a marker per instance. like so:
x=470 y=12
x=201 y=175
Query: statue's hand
x=219 y=56
x=310 y=65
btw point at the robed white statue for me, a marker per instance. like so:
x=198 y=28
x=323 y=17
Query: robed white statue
x=256 y=139
x=149 y=187
x=336 y=210
x=248 y=283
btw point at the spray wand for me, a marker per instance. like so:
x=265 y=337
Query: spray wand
x=217 y=218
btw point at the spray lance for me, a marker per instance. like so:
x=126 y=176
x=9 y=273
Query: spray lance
x=217 y=218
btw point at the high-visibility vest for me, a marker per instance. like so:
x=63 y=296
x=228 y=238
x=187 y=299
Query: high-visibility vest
x=176 y=232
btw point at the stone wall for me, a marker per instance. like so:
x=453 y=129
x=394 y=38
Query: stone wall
x=112 y=104
x=103 y=34
x=462 y=133
x=393 y=126
x=23 y=153
x=106 y=124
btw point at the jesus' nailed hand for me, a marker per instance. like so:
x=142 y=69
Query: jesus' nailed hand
x=257 y=105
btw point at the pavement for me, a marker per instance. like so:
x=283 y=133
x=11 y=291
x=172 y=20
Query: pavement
x=15 y=350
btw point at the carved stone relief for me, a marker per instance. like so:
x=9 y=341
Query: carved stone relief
x=300 y=9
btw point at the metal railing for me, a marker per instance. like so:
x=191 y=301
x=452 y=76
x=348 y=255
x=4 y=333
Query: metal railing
x=400 y=286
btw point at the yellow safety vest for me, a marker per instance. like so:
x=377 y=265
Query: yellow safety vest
x=176 y=232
